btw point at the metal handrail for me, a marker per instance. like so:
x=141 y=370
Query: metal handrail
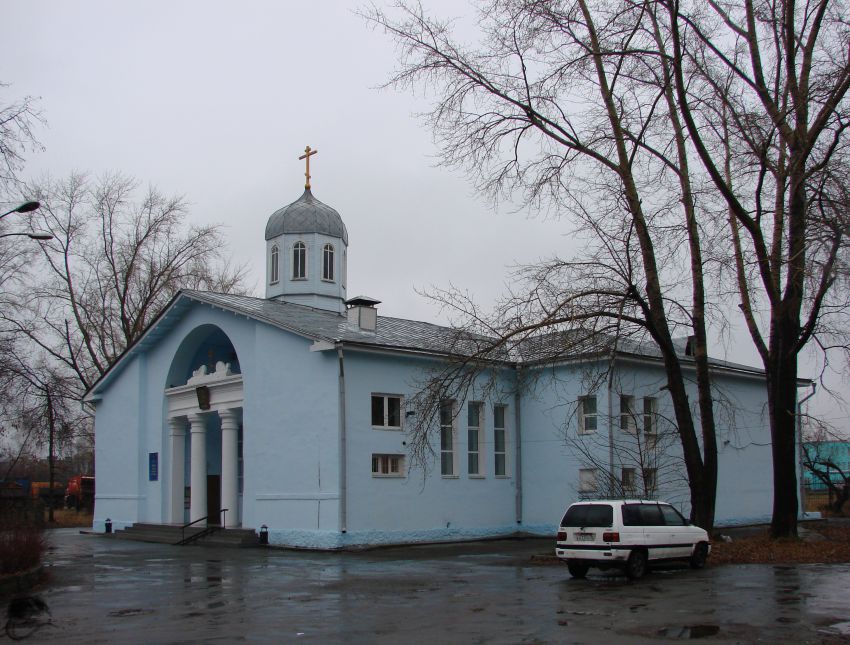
x=201 y=519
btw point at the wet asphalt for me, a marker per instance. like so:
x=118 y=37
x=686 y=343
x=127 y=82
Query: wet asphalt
x=103 y=590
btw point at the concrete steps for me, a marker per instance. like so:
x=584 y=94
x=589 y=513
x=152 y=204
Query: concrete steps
x=172 y=534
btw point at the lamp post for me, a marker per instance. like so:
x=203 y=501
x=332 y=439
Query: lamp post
x=32 y=236
x=26 y=207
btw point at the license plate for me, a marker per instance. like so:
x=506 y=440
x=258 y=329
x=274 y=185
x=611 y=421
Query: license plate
x=584 y=537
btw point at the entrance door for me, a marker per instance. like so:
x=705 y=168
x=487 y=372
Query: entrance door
x=213 y=500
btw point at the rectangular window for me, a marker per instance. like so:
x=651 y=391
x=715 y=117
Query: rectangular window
x=586 y=414
x=474 y=418
x=650 y=410
x=627 y=481
x=627 y=413
x=650 y=481
x=388 y=465
x=500 y=439
x=587 y=480
x=299 y=261
x=447 y=439
x=386 y=411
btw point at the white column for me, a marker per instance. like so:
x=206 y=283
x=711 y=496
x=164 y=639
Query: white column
x=230 y=466
x=177 y=433
x=198 y=464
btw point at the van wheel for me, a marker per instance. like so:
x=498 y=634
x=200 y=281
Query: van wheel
x=578 y=569
x=700 y=555
x=636 y=565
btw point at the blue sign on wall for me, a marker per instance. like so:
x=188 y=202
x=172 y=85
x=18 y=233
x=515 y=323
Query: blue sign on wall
x=153 y=466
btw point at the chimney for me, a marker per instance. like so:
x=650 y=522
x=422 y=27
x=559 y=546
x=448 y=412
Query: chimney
x=363 y=312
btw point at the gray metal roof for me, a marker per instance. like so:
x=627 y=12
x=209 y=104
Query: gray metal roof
x=397 y=334
x=321 y=324
x=306 y=215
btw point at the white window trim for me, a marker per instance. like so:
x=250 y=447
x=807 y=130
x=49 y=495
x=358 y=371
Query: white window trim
x=386 y=425
x=333 y=262
x=389 y=475
x=454 y=451
x=306 y=262
x=480 y=448
x=582 y=416
x=585 y=487
x=506 y=435
x=627 y=417
x=274 y=269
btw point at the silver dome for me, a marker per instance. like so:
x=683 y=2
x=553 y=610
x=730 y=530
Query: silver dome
x=306 y=215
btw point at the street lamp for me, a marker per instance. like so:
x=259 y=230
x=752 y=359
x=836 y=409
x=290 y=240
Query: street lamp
x=32 y=236
x=26 y=207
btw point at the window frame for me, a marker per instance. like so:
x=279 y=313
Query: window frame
x=504 y=430
x=299 y=248
x=328 y=266
x=628 y=480
x=627 y=414
x=274 y=269
x=448 y=456
x=650 y=422
x=386 y=415
x=584 y=416
x=384 y=462
x=478 y=453
x=584 y=486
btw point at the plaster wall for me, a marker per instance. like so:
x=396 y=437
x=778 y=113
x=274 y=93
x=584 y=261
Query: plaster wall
x=551 y=463
x=288 y=391
x=411 y=508
x=119 y=496
x=312 y=290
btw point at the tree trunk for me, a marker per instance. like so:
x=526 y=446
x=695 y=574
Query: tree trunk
x=782 y=400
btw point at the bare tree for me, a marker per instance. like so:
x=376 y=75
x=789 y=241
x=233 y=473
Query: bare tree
x=655 y=125
x=818 y=459
x=562 y=104
x=113 y=264
x=38 y=398
x=17 y=122
x=762 y=89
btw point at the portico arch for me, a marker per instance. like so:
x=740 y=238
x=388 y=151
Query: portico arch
x=203 y=413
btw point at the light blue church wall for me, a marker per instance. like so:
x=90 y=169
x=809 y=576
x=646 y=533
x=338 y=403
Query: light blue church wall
x=552 y=460
x=291 y=445
x=121 y=440
x=287 y=390
x=416 y=507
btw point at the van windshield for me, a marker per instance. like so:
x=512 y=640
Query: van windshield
x=589 y=515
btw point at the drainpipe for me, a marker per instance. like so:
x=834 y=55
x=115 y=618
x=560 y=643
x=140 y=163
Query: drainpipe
x=802 y=482
x=518 y=443
x=612 y=486
x=343 y=489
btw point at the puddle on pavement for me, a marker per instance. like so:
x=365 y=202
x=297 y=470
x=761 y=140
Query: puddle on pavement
x=689 y=631
x=124 y=613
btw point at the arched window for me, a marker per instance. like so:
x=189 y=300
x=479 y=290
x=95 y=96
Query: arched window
x=299 y=261
x=328 y=262
x=274 y=269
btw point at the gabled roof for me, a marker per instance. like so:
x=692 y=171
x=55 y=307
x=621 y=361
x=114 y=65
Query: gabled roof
x=396 y=334
x=315 y=324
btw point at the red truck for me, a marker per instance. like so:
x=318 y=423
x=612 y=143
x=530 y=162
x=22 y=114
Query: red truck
x=80 y=492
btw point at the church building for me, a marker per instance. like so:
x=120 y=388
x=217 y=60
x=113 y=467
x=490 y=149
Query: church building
x=293 y=412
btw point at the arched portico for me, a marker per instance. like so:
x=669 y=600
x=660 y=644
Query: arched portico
x=204 y=417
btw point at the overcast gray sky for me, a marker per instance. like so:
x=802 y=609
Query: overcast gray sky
x=216 y=100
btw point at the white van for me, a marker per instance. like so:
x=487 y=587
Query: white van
x=628 y=534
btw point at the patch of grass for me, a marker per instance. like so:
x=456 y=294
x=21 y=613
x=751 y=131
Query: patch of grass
x=829 y=544
x=21 y=548
x=69 y=518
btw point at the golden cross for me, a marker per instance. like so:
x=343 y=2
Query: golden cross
x=307 y=154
